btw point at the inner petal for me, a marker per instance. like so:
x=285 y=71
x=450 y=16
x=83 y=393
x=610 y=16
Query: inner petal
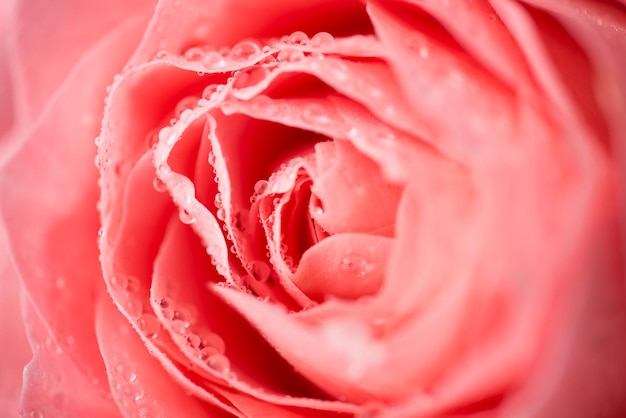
x=353 y=193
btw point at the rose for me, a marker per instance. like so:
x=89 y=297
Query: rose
x=497 y=150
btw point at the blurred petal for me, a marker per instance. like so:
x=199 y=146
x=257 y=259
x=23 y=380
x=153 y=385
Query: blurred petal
x=56 y=386
x=53 y=173
x=14 y=355
x=70 y=29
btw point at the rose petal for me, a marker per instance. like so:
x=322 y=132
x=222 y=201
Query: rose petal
x=53 y=173
x=140 y=385
x=124 y=140
x=461 y=106
x=192 y=312
x=15 y=355
x=580 y=374
x=346 y=265
x=599 y=29
x=354 y=194
x=53 y=384
x=6 y=77
x=557 y=64
x=70 y=30
x=229 y=22
x=476 y=26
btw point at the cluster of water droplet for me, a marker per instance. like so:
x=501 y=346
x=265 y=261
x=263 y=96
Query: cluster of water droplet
x=204 y=345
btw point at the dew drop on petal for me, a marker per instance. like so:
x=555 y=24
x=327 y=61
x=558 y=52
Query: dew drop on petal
x=250 y=77
x=355 y=263
x=268 y=61
x=244 y=50
x=193 y=340
x=159 y=185
x=213 y=59
x=210 y=339
x=119 y=282
x=179 y=326
x=126 y=370
x=193 y=54
x=168 y=136
x=149 y=325
x=260 y=270
x=322 y=40
x=205 y=353
x=219 y=363
x=186 y=217
x=260 y=187
x=134 y=307
x=298 y=38
x=290 y=55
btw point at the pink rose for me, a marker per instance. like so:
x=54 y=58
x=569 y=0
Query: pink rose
x=312 y=209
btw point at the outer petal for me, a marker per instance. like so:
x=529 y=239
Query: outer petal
x=224 y=23
x=6 y=84
x=54 y=174
x=70 y=28
x=53 y=384
x=13 y=356
x=140 y=385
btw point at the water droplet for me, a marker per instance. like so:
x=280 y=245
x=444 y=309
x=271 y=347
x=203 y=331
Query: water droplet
x=194 y=340
x=209 y=91
x=219 y=363
x=299 y=38
x=134 y=307
x=317 y=208
x=149 y=325
x=250 y=77
x=178 y=325
x=127 y=371
x=205 y=353
x=186 y=217
x=168 y=136
x=159 y=185
x=268 y=61
x=152 y=139
x=260 y=187
x=322 y=40
x=194 y=54
x=210 y=339
x=213 y=59
x=244 y=50
x=183 y=110
x=260 y=270
x=164 y=169
x=355 y=263
x=124 y=283
x=161 y=54
x=290 y=55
